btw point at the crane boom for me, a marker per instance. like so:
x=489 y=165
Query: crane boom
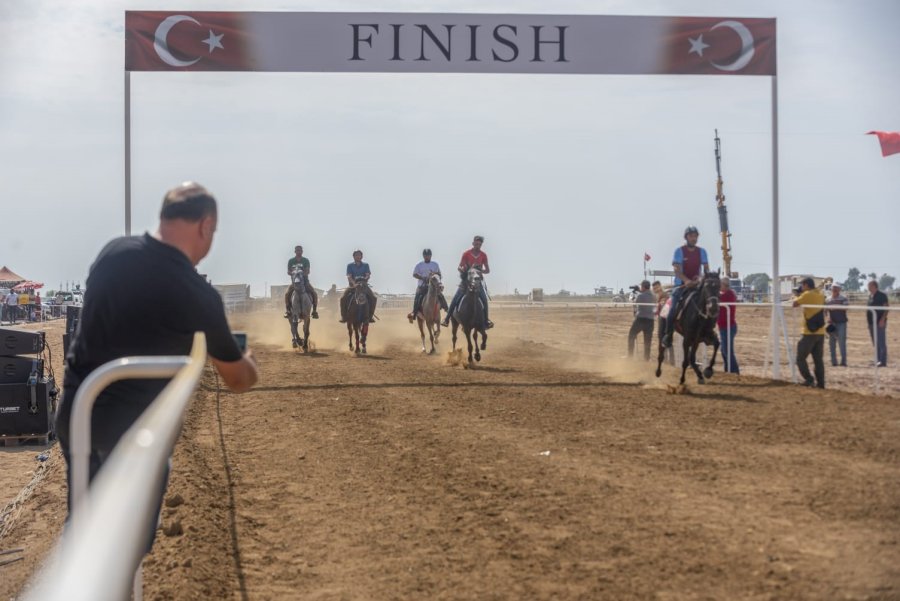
x=723 y=212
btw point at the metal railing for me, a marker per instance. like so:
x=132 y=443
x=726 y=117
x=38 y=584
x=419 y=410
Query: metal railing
x=99 y=555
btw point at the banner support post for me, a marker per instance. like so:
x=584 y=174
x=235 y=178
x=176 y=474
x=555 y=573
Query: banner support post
x=127 y=153
x=777 y=313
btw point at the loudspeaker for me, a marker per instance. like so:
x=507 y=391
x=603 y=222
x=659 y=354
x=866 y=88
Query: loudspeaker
x=28 y=409
x=20 y=342
x=15 y=370
x=73 y=316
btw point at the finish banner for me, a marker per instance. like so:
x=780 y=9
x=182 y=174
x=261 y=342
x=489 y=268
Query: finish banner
x=447 y=43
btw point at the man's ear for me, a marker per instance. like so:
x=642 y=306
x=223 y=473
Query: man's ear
x=207 y=226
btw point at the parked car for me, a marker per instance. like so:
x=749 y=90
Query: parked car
x=66 y=298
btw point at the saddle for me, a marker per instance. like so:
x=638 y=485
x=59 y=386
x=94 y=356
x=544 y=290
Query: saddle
x=683 y=303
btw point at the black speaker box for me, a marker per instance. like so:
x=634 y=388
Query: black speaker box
x=73 y=316
x=27 y=409
x=15 y=370
x=20 y=342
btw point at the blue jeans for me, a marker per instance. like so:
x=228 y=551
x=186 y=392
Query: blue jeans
x=881 y=349
x=457 y=298
x=728 y=359
x=838 y=338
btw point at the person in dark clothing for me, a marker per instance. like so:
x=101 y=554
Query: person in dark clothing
x=145 y=297
x=837 y=325
x=643 y=319
x=878 y=328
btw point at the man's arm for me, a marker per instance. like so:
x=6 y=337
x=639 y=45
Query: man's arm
x=240 y=375
x=487 y=268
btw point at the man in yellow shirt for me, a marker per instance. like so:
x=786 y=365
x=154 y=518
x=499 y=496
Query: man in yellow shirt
x=812 y=342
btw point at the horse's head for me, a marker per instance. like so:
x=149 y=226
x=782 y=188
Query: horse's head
x=474 y=278
x=710 y=293
x=297 y=276
x=359 y=295
x=434 y=281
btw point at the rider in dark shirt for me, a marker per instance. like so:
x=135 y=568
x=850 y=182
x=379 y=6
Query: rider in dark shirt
x=301 y=262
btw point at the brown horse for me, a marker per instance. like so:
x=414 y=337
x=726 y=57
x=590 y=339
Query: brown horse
x=429 y=316
x=696 y=324
x=358 y=316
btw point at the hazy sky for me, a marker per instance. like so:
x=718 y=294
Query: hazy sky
x=570 y=178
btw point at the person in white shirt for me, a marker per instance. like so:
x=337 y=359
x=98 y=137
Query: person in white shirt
x=12 y=306
x=422 y=272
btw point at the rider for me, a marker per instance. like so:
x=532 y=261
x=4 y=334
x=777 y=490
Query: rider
x=358 y=269
x=473 y=257
x=298 y=260
x=422 y=272
x=687 y=262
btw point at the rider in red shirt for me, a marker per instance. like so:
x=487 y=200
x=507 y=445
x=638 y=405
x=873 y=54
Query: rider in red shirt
x=474 y=257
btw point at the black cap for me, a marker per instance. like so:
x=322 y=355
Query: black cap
x=426 y=251
x=809 y=282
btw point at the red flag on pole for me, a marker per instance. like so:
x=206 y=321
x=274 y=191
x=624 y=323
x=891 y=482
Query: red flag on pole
x=646 y=257
x=890 y=141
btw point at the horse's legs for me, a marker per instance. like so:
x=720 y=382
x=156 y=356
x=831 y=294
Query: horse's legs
x=662 y=357
x=484 y=341
x=453 y=331
x=686 y=351
x=708 y=372
x=350 y=334
x=469 y=341
x=306 y=333
x=694 y=366
x=364 y=331
x=294 y=334
x=475 y=341
x=421 y=331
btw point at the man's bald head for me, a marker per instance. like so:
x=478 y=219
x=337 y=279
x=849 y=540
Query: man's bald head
x=190 y=201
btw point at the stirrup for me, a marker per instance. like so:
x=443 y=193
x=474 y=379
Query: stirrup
x=315 y=315
x=287 y=314
x=488 y=325
x=667 y=340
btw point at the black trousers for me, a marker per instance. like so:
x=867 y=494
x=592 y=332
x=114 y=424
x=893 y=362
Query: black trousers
x=814 y=345
x=645 y=325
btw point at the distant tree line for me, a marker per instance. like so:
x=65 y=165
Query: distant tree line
x=855 y=282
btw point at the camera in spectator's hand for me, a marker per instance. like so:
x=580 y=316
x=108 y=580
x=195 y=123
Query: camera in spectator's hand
x=799 y=290
x=635 y=288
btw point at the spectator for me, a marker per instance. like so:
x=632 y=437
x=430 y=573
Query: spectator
x=12 y=307
x=643 y=319
x=129 y=310
x=812 y=341
x=878 y=330
x=661 y=297
x=837 y=325
x=727 y=327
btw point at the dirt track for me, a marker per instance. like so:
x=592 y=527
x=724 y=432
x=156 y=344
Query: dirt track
x=397 y=476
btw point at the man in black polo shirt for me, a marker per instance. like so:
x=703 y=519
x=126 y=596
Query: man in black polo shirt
x=878 y=330
x=145 y=297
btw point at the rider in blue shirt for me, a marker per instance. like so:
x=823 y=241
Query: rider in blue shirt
x=358 y=270
x=688 y=262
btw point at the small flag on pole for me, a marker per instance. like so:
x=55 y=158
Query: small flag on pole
x=890 y=141
x=646 y=257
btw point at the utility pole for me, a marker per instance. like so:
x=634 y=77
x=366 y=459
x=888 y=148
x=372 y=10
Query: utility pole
x=723 y=212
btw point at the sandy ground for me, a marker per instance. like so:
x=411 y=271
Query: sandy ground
x=553 y=470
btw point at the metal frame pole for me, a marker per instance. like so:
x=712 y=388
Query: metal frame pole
x=777 y=315
x=127 y=153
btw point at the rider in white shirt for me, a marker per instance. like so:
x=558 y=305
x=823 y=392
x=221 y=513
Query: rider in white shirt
x=422 y=272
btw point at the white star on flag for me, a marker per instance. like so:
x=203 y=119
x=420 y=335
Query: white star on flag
x=697 y=45
x=214 y=41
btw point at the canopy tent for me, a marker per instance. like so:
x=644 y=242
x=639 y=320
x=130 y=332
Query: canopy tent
x=27 y=285
x=9 y=277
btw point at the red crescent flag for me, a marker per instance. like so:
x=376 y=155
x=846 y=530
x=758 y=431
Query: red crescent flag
x=890 y=141
x=646 y=257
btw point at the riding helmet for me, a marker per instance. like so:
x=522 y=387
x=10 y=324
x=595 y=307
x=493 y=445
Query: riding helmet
x=691 y=230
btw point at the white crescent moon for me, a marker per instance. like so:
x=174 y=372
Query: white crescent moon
x=747 y=49
x=161 y=45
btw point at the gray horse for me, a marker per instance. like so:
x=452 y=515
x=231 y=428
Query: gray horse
x=429 y=316
x=470 y=314
x=301 y=308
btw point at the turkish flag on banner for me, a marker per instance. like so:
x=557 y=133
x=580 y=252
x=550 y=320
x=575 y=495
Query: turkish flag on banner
x=646 y=257
x=721 y=46
x=890 y=141
x=203 y=41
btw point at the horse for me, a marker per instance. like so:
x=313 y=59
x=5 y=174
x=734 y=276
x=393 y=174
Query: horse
x=301 y=308
x=470 y=314
x=429 y=316
x=358 y=316
x=697 y=323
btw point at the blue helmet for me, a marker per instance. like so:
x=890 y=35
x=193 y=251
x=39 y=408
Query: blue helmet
x=691 y=230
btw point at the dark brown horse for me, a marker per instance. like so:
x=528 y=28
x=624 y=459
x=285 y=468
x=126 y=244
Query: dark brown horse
x=470 y=314
x=358 y=316
x=699 y=310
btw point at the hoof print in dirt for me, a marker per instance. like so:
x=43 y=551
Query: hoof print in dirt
x=173 y=528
